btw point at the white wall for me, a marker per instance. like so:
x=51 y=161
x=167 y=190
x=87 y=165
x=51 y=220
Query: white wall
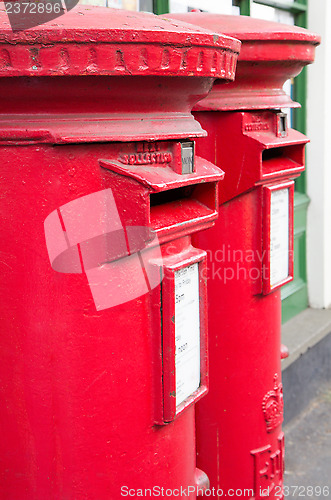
x=115 y=4
x=215 y=6
x=319 y=159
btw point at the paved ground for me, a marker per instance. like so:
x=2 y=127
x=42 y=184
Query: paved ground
x=308 y=451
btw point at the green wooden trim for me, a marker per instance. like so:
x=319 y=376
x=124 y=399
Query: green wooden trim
x=293 y=287
x=245 y=7
x=293 y=7
x=301 y=202
x=295 y=294
x=295 y=303
x=161 y=6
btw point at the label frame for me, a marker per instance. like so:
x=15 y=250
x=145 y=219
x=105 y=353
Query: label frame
x=267 y=192
x=169 y=409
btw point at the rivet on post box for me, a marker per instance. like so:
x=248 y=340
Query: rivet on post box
x=102 y=292
x=240 y=442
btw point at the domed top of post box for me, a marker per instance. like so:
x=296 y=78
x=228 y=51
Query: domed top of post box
x=271 y=53
x=99 y=74
x=97 y=40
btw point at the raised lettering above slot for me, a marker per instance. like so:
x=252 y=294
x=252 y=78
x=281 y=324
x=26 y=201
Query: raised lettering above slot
x=145 y=158
x=146 y=153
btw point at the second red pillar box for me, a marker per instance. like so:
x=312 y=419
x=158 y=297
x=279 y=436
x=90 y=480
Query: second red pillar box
x=240 y=441
x=101 y=286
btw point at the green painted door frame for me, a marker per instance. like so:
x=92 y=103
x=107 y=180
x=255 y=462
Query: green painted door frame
x=245 y=7
x=161 y=6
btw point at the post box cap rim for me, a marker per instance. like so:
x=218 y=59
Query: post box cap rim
x=247 y=28
x=98 y=40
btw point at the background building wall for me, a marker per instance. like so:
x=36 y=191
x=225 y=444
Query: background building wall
x=215 y=6
x=319 y=159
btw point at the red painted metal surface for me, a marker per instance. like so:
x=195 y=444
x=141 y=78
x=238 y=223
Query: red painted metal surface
x=271 y=53
x=82 y=382
x=240 y=443
x=239 y=437
x=129 y=47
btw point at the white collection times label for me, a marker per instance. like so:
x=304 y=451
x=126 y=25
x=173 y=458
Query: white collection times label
x=187 y=332
x=279 y=236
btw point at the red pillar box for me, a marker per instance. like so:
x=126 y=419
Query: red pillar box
x=239 y=436
x=103 y=295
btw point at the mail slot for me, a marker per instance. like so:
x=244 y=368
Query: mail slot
x=240 y=442
x=103 y=294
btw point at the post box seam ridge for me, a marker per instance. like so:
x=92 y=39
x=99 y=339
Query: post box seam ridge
x=109 y=58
